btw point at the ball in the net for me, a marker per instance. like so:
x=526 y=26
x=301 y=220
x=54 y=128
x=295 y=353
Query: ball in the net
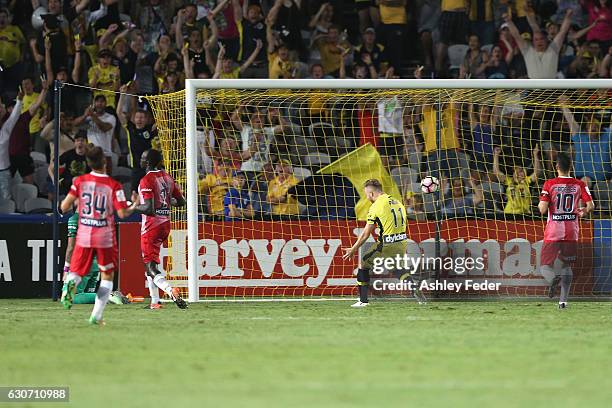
x=429 y=184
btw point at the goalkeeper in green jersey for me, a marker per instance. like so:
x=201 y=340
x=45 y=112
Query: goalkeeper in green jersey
x=86 y=289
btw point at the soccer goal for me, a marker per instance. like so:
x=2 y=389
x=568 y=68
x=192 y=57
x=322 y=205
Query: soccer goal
x=273 y=172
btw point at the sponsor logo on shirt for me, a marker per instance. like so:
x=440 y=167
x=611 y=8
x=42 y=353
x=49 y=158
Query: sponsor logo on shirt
x=563 y=217
x=93 y=223
x=394 y=238
x=164 y=212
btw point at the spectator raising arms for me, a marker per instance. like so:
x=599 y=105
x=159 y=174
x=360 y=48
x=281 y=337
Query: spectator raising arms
x=8 y=119
x=19 y=144
x=139 y=132
x=100 y=127
x=592 y=144
x=518 y=194
x=252 y=32
x=104 y=76
x=541 y=58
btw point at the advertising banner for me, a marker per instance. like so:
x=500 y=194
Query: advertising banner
x=304 y=258
x=26 y=259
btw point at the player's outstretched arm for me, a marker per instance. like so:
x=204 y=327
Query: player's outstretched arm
x=363 y=237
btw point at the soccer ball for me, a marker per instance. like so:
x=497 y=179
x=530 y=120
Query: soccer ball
x=429 y=184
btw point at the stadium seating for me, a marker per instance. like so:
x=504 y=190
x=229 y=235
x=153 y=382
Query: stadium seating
x=7 y=206
x=40 y=179
x=23 y=192
x=456 y=54
x=40 y=160
x=122 y=174
x=301 y=173
x=316 y=159
x=37 y=206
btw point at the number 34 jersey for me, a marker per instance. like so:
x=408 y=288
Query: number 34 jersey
x=99 y=195
x=563 y=195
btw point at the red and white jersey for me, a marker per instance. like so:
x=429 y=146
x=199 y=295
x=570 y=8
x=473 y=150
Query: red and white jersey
x=160 y=187
x=99 y=195
x=563 y=195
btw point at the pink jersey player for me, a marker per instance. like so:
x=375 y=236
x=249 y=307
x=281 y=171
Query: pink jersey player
x=563 y=195
x=157 y=194
x=98 y=196
x=560 y=199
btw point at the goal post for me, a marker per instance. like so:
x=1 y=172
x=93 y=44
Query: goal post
x=207 y=110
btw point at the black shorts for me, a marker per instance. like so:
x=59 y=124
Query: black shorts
x=23 y=164
x=454 y=27
x=364 y=4
x=391 y=145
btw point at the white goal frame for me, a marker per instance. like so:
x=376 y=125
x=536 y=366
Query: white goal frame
x=193 y=85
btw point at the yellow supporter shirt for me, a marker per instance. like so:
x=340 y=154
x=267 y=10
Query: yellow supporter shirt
x=217 y=188
x=11 y=40
x=331 y=56
x=106 y=80
x=389 y=215
x=234 y=74
x=452 y=5
x=277 y=189
x=28 y=100
x=278 y=68
x=518 y=196
x=448 y=137
x=393 y=14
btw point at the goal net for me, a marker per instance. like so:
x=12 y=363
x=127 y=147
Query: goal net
x=274 y=170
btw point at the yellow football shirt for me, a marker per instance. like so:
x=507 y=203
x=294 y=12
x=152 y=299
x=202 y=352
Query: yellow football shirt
x=11 y=39
x=393 y=14
x=278 y=68
x=277 y=189
x=217 y=188
x=448 y=136
x=389 y=215
x=106 y=80
x=234 y=74
x=28 y=100
x=518 y=196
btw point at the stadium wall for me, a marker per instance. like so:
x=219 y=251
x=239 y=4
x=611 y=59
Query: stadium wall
x=26 y=256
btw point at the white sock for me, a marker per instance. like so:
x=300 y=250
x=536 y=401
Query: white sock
x=102 y=296
x=163 y=284
x=153 y=291
x=73 y=277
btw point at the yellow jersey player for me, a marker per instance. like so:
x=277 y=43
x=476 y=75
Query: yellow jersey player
x=389 y=215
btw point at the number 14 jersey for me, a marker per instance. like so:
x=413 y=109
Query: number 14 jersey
x=563 y=195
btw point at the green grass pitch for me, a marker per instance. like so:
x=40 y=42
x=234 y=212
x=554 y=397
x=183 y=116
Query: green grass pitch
x=314 y=354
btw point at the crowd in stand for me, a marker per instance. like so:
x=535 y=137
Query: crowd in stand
x=107 y=51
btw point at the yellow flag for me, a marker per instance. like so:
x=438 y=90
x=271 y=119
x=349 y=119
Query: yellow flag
x=358 y=166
